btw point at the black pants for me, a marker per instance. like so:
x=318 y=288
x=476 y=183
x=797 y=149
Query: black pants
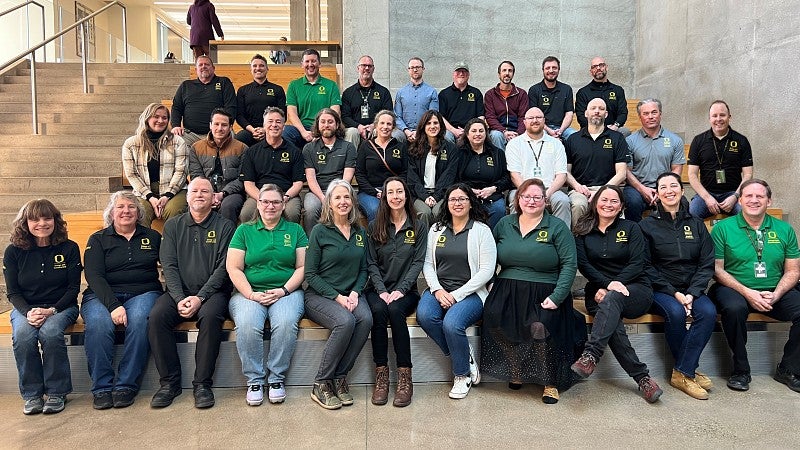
x=395 y=314
x=608 y=329
x=734 y=310
x=161 y=333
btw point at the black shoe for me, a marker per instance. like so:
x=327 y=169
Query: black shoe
x=782 y=375
x=103 y=400
x=123 y=397
x=164 y=396
x=739 y=381
x=514 y=386
x=203 y=397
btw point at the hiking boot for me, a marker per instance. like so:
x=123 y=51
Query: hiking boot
x=688 y=385
x=323 y=393
x=550 y=395
x=405 y=387
x=343 y=391
x=585 y=365
x=650 y=389
x=380 y=395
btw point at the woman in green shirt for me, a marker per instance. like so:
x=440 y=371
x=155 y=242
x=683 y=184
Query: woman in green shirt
x=532 y=331
x=265 y=262
x=336 y=271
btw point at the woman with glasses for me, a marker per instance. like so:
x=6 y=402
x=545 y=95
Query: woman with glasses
x=459 y=263
x=612 y=255
x=530 y=328
x=682 y=264
x=266 y=263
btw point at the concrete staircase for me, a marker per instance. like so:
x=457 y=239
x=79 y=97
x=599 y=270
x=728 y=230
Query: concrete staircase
x=76 y=161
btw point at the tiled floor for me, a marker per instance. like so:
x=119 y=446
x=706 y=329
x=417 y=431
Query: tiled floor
x=595 y=413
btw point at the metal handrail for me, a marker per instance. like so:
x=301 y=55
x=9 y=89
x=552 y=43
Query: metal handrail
x=30 y=2
x=82 y=29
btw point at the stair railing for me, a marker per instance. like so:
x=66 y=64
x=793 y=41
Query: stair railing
x=22 y=5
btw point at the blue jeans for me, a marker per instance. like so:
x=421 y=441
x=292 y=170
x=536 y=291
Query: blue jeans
x=292 y=134
x=498 y=139
x=634 y=203
x=496 y=211
x=99 y=341
x=369 y=204
x=698 y=208
x=686 y=345
x=569 y=131
x=48 y=372
x=250 y=318
x=448 y=327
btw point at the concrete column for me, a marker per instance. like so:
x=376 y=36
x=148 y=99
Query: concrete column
x=314 y=24
x=335 y=20
x=297 y=20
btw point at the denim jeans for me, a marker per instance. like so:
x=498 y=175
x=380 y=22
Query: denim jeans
x=369 y=204
x=349 y=333
x=635 y=205
x=394 y=313
x=161 y=332
x=498 y=139
x=698 y=208
x=686 y=345
x=99 y=341
x=496 y=210
x=250 y=318
x=292 y=134
x=609 y=330
x=448 y=327
x=48 y=372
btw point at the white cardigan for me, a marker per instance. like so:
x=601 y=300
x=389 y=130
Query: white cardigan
x=482 y=257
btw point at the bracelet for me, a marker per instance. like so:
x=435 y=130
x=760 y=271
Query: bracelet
x=285 y=291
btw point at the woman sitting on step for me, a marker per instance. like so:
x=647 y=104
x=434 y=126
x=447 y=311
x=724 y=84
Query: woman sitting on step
x=42 y=270
x=155 y=163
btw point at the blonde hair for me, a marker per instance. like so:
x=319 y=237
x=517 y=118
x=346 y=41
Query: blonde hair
x=326 y=216
x=141 y=143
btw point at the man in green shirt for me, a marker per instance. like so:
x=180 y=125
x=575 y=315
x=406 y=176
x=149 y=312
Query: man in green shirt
x=757 y=268
x=307 y=95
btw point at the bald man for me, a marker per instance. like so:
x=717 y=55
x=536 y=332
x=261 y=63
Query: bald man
x=613 y=95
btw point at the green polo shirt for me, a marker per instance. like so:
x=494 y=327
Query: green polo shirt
x=310 y=98
x=269 y=255
x=545 y=255
x=732 y=245
x=335 y=265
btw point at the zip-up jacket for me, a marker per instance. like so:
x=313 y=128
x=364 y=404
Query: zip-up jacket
x=506 y=113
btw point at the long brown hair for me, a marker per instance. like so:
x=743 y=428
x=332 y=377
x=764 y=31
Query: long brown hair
x=383 y=218
x=142 y=145
x=35 y=209
x=589 y=219
x=420 y=147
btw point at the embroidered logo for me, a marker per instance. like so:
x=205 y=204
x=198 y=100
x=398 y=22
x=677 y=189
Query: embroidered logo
x=541 y=236
x=359 y=240
x=58 y=262
x=287 y=240
x=687 y=232
x=211 y=237
x=440 y=242
x=145 y=245
x=410 y=238
x=284 y=157
x=622 y=236
x=607 y=143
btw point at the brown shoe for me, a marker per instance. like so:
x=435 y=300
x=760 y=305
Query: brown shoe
x=703 y=380
x=381 y=393
x=550 y=395
x=405 y=387
x=585 y=365
x=688 y=385
x=650 y=389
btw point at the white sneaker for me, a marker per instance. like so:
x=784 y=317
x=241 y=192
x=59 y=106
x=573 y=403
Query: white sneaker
x=255 y=395
x=461 y=387
x=474 y=372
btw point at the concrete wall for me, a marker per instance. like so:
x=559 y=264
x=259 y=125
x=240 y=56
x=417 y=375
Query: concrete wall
x=690 y=53
x=685 y=53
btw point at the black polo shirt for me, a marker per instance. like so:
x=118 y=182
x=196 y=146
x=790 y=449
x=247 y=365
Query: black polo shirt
x=376 y=97
x=43 y=276
x=730 y=154
x=264 y=164
x=483 y=170
x=593 y=159
x=113 y=264
x=194 y=101
x=458 y=107
x=555 y=103
x=253 y=98
x=395 y=265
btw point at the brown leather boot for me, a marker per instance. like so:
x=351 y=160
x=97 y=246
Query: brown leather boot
x=405 y=388
x=381 y=393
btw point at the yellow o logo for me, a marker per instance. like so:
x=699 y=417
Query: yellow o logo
x=441 y=239
x=409 y=233
x=212 y=234
x=621 y=234
x=59 y=258
x=145 y=241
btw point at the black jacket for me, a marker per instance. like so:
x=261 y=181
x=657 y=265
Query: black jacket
x=445 y=172
x=681 y=252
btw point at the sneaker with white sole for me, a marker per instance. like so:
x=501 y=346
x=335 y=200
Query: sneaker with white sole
x=277 y=393
x=474 y=372
x=461 y=385
x=255 y=395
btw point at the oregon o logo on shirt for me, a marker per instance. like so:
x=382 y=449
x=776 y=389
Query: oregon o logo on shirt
x=271 y=91
x=359 y=240
x=545 y=100
x=622 y=236
x=441 y=241
x=733 y=146
x=666 y=142
x=687 y=232
x=376 y=95
x=541 y=236
x=410 y=239
x=396 y=153
x=471 y=97
x=607 y=143
x=59 y=262
x=211 y=237
x=490 y=161
x=145 y=244
x=321 y=90
x=612 y=95
x=772 y=238
x=285 y=157
x=321 y=158
x=218 y=87
x=287 y=240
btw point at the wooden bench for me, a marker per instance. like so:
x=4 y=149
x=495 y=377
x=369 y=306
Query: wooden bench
x=580 y=306
x=633 y=123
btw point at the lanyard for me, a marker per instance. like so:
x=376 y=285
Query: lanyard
x=720 y=159
x=757 y=243
x=541 y=144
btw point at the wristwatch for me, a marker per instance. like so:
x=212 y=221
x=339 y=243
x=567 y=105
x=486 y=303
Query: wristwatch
x=285 y=291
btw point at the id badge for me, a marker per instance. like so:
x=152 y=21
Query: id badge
x=760 y=268
x=720 y=176
x=537 y=172
x=365 y=111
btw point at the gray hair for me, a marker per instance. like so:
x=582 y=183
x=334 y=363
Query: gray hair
x=108 y=212
x=326 y=216
x=646 y=101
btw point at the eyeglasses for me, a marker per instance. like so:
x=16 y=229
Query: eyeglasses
x=535 y=198
x=598 y=66
x=458 y=200
x=274 y=203
x=535 y=118
x=366 y=66
x=416 y=68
